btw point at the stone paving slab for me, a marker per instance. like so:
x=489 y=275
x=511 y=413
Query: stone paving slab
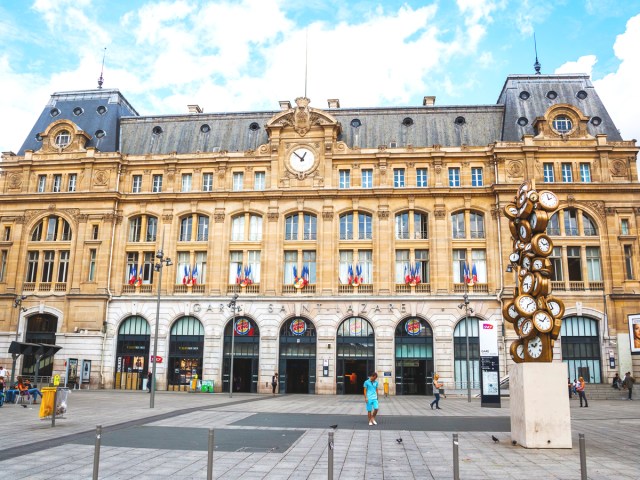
x=612 y=430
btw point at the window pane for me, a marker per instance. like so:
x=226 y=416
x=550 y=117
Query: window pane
x=553 y=226
x=585 y=173
x=588 y=226
x=476 y=177
x=457 y=225
x=346 y=227
x=398 y=177
x=420 y=224
x=402 y=265
x=203 y=228
x=366 y=264
x=346 y=260
x=422 y=178
x=454 y=177
x=459 y=261
x=367 y=178
x=238 y=181
x=477 y=225
x=402 y=226
x=365 y=226
x=255 y=228
x=237 y=229
x=570 y=223
x=310 y=227
x=291 y=227
x=567 y=174
x=548 y=173
x=290 y=261
x=309 y=261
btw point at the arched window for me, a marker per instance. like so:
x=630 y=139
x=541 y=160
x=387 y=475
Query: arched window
x=553 y=226
x=132 y=353
x=246 y=227
x=143 y=228
x=52 y=229
x=246 y=351
x=457 y=225
x=460 y=353
x=293 y=222
x=348 y=223
x=41 y=328
x=588 y=226
x=562 y=124
x=297 y=366
x=355 y=354
x=405 y=231
x=414 y=357
x=581 y=348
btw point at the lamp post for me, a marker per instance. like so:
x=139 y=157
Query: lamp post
x=465 y=305
x=232 y=306
x=17 y=304
x=158 y=267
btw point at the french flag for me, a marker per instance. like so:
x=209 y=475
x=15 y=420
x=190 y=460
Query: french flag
x=133 y=274
x=467 y=277
x=185 y=277
x=194 y=274
x=474 y=274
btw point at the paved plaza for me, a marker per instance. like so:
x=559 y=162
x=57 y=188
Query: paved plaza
x=285 y=437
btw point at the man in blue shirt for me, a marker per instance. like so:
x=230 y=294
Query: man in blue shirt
x=371 y=397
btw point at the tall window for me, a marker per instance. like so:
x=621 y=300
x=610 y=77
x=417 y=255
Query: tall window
x=63 y=267
x=186 y=227
x=32 y=267
x=135 y=225
x=156 y=186
x=73 y=179
x=624 y=226
x=42 y=183
x=3 y=264
x=186 y=182
x=422 y=262
x=238 y=181
x=290 y=261
x=91 y=276
x=346 y=261
x=556 y=263
x=365 y=260
x=574 y=264
x=402 y=265
x=549 y=176
x=398 y=177
x=253 y=260
x=365 y=226
x=49 y=258
x=402 y=226
x=152 y=229
x=454 y=176
x=309 y=261
x=477 y=225
x=346 y=226
x=344 y=177
x=585 y=173
x=422 y=177
x=207 y=182
x=57 y=183
x=567 y=174
x=479 y=261
x=553 y=226
x=571 y=223
x=203 y=228
x=255 y=228
x=310 y=227
x=259 y=181
x=201 y=265
x=235 y=266
x=476 y=177
x=459 y=261
x=237 y=228
x=460 y=353
x=594 y=269
x=146 y=269
x=420 y=226
x=628 y=261
x=291 y=227
x=136 y=185
x=367 y=178
x=457 y=225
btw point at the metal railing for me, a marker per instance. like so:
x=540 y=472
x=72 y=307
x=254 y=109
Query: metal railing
x=576 y=286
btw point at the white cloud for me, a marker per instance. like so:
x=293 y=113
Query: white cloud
x=618 y=89
x=582 y=65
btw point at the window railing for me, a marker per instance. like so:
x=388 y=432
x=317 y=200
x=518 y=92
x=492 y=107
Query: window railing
x=233 y=288
x=126 y=288
x=151 y=238
x=365 y=235
x=146 y=288
x=44 y=286
x=576 y=286
x=459 y=234
x=60 y=287
x=29 y=287
x=184 y=237
x=253 y=288
x=553 y=231
x=590 y=232
x=291 y=236
x=180 y=288
x=477 y=233
x=346 y=235
x=402 y=235
x=423 y=288
x=310 y=236
x=202 y=237
x=291 y=290
x=571 y=232
x=65 y=237
x=476 y=287
x=403 y=288
x=559 y=286
x=596 y=286
x=199 y=288
x=421 y=235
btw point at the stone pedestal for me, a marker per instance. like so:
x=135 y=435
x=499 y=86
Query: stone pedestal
x=540 y=416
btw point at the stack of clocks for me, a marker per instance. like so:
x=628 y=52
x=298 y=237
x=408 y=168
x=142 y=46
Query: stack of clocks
x=535 y=314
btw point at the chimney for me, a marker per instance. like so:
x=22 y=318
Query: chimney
x=194 y=108
x=285 y=105
x=333 y=103
x=429 y=101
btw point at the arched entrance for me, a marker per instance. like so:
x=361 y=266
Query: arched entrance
x=355 y=356
x=297 y=356
x=246 y=353
x=460 y=353
x=132 y=353
x=41 y=328
x=414 y=357
x=581 y=348
x=186 y=348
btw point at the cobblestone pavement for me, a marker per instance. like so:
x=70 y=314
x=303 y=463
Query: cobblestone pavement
x=32 y=449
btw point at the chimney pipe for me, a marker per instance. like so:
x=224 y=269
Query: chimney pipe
x=429 y=101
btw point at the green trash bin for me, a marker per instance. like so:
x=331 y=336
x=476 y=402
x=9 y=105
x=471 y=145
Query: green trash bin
x=207 y=386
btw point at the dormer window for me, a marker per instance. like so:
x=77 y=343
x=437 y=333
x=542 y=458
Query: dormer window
x=63 y=139
x=562 y=124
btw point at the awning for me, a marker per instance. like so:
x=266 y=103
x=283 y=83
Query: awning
x=42 y=350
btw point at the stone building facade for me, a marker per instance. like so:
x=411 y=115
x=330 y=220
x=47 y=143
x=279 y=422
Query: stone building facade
x=321 y=220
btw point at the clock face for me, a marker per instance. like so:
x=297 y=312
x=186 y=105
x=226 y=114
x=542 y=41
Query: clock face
x=534 y=347
x=517 y=351
x=520 y=351
x=555 y=307
x=526 y=262
x=525 y=231
x=514 y=257
x=509 y=312
x=537 y=264
x=533 y=220
x=302 y=159
x=548 y=200
x=527 y=283
x=526 y=328
x=526 y=305
x=511 y=211
x=542 y=321
x=542 y=244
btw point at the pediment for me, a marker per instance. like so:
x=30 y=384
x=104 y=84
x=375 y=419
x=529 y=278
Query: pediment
x=63 y=136
x=302 y=118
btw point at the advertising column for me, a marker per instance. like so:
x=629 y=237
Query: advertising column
x=489 y=364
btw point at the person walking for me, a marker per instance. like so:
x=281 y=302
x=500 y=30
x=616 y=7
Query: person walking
x=149 y=380
x=371 y=397
x=274 y=383
x=628 y=383
x=580 y=390
x=437 y=385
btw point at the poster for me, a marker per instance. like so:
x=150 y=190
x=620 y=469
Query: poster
x=490 y=383
x=634 y=334
x=488 y=330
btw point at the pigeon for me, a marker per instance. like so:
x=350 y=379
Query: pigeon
x=333 y=426
x=494 y=438
x=513 y=442
x=24 y=405
x=399 y=440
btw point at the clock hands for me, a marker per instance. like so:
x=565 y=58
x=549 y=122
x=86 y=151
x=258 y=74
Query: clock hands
x=300 y=157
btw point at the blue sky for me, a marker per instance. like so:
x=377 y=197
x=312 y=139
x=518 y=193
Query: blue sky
x=248 y=55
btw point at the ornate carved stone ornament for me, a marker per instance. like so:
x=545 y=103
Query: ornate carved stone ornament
x=15 y=181
x=515 y=169
x=440 y=212
x=383 y=214
x=167 y=218
x=273 y=216
x=597 y=206
x=574 y=124
x=218 y=217
x=618 y=168
x=63 y=136
x=302 y=118
x=101 y=178
x=327 y=214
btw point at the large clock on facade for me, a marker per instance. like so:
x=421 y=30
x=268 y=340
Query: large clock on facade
x=302 y=160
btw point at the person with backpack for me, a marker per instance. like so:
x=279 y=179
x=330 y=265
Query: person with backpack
x=580 y=390
x=628 y=383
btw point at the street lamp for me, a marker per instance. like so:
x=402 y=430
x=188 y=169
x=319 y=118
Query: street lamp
x=17 y=304
x=232 y=306
x=465 y=305
x=159 y=265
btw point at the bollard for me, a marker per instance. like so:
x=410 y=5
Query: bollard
x=210 y=456
x=53 y=414
x=330 y=453
x=583 y=457
x=456 y=461
x=96 y=453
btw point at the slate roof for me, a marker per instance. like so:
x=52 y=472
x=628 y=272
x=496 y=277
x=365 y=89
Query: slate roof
x=567 y=88
x=472 y=125
x=62 y=105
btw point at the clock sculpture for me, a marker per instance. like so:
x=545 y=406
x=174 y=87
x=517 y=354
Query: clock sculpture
x=535 y=314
